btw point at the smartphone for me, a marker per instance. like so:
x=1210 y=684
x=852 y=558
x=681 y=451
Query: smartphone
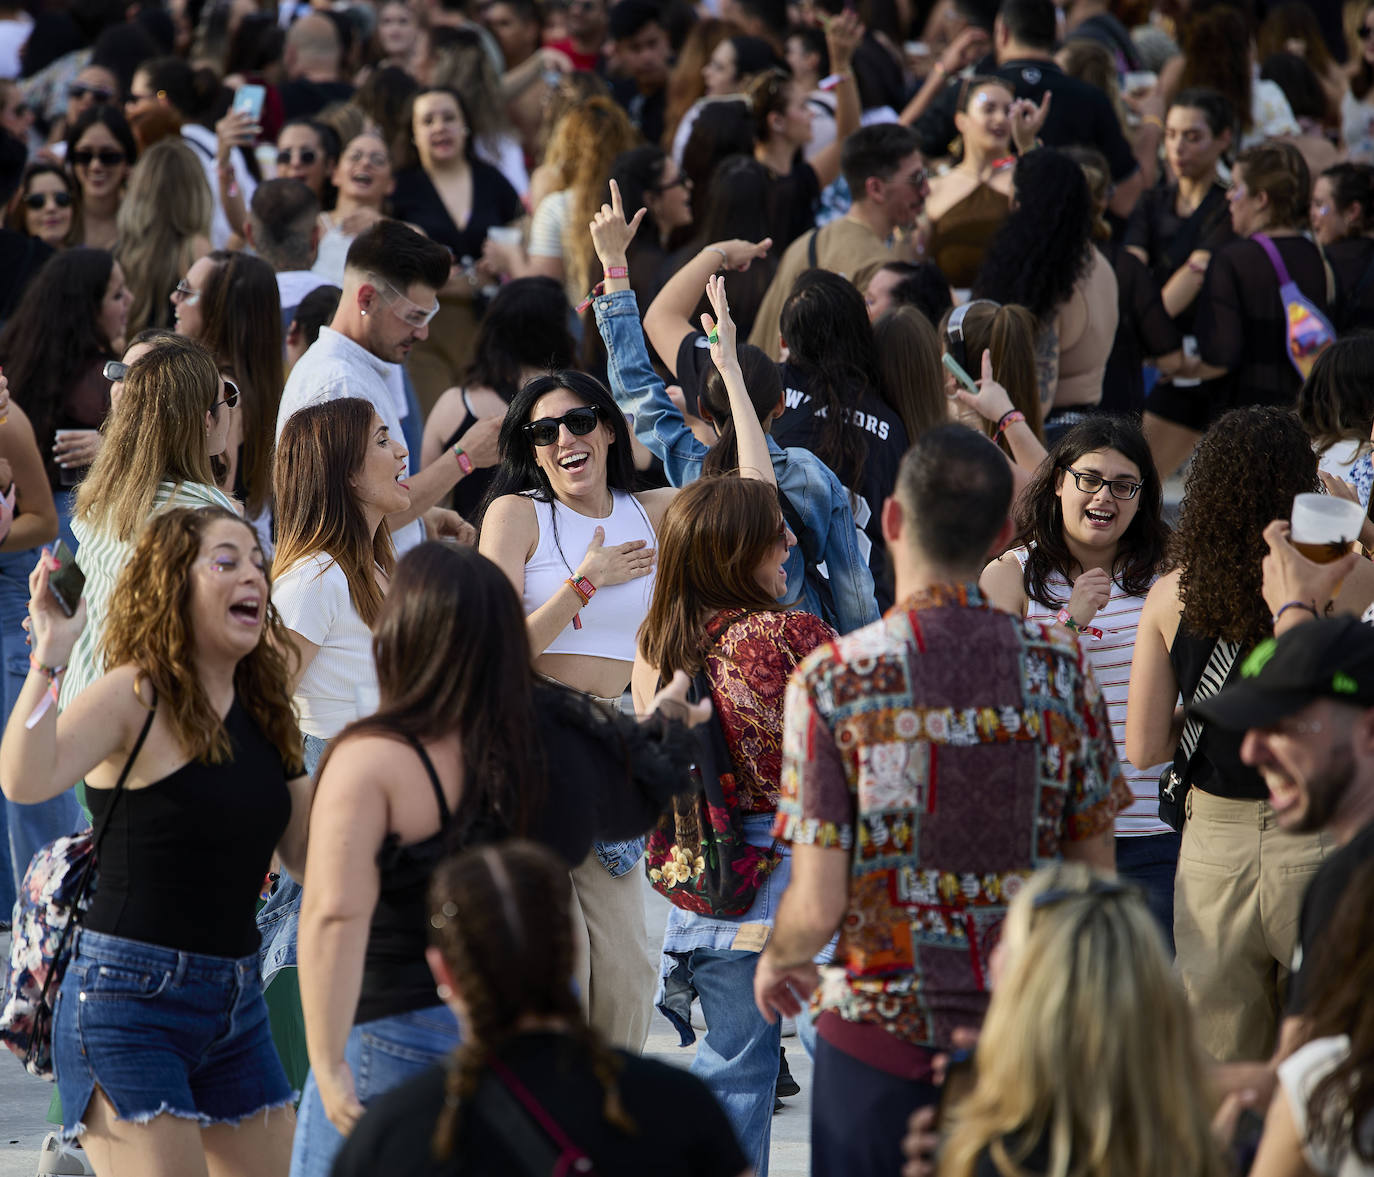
x=68 y=581
x=956 y=369
x=248 y=100
x=1245 y=1140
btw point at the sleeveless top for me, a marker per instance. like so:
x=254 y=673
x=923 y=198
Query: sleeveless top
x=470 y=491
x=611 y=620
x=1110 y=656
x=396 y=979
x=183 y=859
x=960 y=238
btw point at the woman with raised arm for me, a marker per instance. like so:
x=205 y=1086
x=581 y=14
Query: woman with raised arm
x=810 y=491
x=192 y=760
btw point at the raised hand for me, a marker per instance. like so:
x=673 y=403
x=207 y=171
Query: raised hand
x=740 y=255
x=52 y=632
x=611 y=232
x=843 y=32
x=1026 y=120
x=720 y=332
x=616 y=564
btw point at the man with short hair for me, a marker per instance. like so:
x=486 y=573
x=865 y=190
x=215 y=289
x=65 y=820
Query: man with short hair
x=587 y=31
x=641 y=55
x=887 y=176
x=931 y=762
x=391 y=281
x=313 y=61
x=284 y=229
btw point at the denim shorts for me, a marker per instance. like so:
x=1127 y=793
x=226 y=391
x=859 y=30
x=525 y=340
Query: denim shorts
x=163 y=1031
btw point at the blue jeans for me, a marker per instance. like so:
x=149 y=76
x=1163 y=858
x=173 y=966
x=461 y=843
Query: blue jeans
x=280 y=917
x=1150 y=862
x=738 y=1058
x=382 y=1054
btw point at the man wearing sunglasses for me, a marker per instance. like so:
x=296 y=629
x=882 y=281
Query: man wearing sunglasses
x=391 y=281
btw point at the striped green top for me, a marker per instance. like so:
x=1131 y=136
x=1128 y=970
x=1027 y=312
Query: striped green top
x=102 y=558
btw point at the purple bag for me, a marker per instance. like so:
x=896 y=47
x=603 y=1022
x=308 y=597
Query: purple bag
x=1309 y=331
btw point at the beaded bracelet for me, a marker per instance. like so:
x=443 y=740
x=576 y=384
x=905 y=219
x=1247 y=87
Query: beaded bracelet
x=1009 y=418
x=1312 y=609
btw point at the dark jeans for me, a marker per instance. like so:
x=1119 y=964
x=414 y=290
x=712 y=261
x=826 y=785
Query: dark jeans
x=859 y=1115
x=1150 y=863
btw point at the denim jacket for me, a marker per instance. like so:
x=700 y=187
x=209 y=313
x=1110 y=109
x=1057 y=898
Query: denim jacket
x=807 y=482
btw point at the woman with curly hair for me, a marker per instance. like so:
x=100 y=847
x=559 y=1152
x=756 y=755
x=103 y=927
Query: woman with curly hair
x=1090 y=543
x=502 y=956
x=1043 y=259
x=1235 y=942
x=161 y=1043
x=1087 y=1047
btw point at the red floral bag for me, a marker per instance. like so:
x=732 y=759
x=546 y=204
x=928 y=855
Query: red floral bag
x=697 y=856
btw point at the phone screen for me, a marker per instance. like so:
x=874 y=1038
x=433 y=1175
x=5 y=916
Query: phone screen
x=956 y=369
x=248 y=99
x=68 y=581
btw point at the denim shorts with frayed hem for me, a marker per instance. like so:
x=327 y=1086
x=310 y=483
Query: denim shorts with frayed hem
x=162 y=1031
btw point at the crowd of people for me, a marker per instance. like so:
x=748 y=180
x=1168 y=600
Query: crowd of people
x=465 y=464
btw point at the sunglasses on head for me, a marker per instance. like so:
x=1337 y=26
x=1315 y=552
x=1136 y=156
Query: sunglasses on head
x=109 y=157
x=77 y=91
x=304 y=155
x=580 y=422
x=115 y=370
x=36 y=200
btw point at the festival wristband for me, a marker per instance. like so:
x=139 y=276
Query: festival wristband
x=1310 y=608
x=53 y=674
x=1008 y=419
x=464 y=462
x=1065 y=618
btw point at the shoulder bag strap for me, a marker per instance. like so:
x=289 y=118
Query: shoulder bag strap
x=511 y=1106
x=1214 y=676
x=1264 y=242
x=99 y=834
x=811 y=249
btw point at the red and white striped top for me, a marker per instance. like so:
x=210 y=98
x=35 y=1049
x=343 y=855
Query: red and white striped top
x=1110 y=656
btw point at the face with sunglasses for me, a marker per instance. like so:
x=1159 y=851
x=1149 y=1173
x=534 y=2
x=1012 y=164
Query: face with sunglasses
x=300 y=156
x=1099 y=495
x=93 y=86
x=99 y=162
x=48 y=208
x=570 y=440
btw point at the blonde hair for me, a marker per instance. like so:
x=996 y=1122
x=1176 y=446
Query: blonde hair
x=167 y=206
x=156 y=433
x=1088 y=1044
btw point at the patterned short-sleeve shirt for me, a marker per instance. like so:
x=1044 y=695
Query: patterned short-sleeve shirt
x=952 y=749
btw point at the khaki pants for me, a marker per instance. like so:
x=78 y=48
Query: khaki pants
x=1237 y=896
x=615 y=973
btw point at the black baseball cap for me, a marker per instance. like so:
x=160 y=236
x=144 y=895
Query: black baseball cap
x=1329 y=658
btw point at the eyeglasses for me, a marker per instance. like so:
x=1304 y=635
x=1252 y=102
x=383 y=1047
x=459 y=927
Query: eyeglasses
x=377 y=159
x=683 y=181
x=580 y=422
x=1091 y=483
x=916 y=179
x=98 y=94
x=412 y=314
x=305 y=155
x=186 y=293
x=115 y=371
x=36 y=200
x=231 y=395
x=109 y=157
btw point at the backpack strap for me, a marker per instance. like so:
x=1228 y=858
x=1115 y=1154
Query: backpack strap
x=811 y=249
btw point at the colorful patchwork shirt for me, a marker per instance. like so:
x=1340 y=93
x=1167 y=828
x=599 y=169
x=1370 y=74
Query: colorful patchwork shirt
x=951 y=749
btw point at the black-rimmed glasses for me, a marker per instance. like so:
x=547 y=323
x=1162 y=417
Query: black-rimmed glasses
x=1090 y=484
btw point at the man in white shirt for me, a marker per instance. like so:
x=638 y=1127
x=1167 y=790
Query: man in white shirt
x=391 y=279
x=283 y=227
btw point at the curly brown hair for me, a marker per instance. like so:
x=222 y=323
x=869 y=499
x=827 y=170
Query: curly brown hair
x=1246 y=470
x=149 y=627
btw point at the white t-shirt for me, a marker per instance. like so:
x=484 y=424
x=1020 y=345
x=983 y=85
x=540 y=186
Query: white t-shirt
x=340 y=684
x=1299 y=1075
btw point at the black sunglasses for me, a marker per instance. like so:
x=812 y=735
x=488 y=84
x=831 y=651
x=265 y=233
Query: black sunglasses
x=76 y=91
x=109 y=157
x=580 y=422
x=304 y=154
x=36 y=200
x=231 y=395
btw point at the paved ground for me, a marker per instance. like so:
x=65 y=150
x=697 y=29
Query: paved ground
x=24 y=1100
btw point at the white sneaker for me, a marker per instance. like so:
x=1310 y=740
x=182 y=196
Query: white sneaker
x=789 y=1027
x=62 y=1160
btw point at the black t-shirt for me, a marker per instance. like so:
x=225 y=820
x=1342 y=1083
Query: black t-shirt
x=494 y=202
x=797 y=195
x=1080 y=114
x=1168 y=239
x=1352 y=261
x=21 y=257
x=647 y=111
x=1143 y=328
x=680 y=1129
x=1241 y=323
x=801 y=426
x=301 y=98
x=1326 y=890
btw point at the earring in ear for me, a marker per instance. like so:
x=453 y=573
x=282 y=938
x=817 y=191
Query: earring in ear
x=364 y=314
x=443 y=991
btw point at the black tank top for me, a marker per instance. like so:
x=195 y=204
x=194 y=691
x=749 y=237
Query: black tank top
x=396 y=979
x=1216 y=767
x=184 y=859
x=467 y=495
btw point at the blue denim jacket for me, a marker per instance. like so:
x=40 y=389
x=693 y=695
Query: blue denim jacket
x=818 y=496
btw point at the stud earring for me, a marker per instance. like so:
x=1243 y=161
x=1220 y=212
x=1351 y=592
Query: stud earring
x=443 y=991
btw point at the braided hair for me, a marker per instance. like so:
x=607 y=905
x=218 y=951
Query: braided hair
x=501 y=917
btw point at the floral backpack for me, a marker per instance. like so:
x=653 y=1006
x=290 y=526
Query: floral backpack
x=697 y=856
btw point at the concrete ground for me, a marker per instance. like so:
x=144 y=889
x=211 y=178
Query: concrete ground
x=24 y=1099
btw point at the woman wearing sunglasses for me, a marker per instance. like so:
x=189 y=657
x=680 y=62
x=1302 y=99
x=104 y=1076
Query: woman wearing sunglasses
x=561 y=519
x=1090 y=543
x=45 y=207
x=100 y=153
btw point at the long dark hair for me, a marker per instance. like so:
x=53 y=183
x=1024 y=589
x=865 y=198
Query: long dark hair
x=1336 y=401
x=1040 y=518
x=741 y=203
x=453 y=656
x=830 y=342
x=54 y=335
x=1045 y=245
x=764 y=386
x=502 y=920
x=526 y=326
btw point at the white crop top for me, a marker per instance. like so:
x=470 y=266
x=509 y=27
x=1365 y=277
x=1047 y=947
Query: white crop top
x=612 y=619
